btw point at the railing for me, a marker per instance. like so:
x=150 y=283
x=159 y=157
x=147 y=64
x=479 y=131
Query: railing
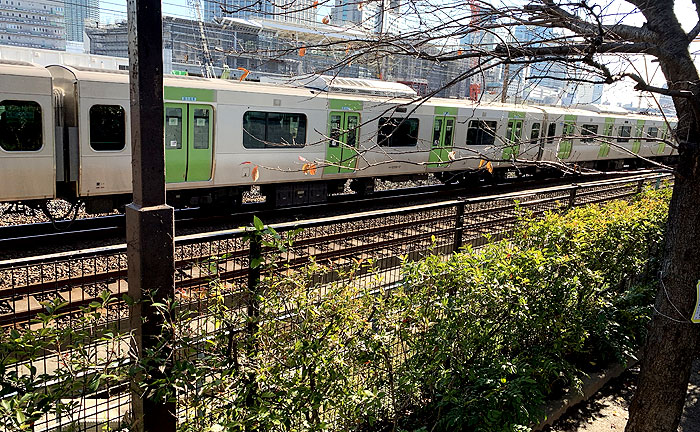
x=385 y=237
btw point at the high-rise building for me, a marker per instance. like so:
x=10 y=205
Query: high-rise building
x=300 y=11
x=77 y=12
x=374 y=17
x=33 y=23
x=346 y=12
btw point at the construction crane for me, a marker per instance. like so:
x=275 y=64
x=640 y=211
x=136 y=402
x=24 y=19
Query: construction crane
x=474 y=87
x=208 y=64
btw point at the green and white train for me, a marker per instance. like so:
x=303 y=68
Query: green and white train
x=65 y=133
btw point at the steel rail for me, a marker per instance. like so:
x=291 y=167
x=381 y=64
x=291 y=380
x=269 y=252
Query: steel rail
x=45 y=234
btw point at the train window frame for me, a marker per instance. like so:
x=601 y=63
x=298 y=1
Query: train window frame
x=656 y=132
x=589 y=130
x=123 y=127
x=514 y=131
x=208 y=133
x=167 y=130
x=388 y=140
x=551 y=132
x=249 y=137
x=533 y=129
x=624 y=138
x=40 y=129
x=481 y=132
x=569 y=129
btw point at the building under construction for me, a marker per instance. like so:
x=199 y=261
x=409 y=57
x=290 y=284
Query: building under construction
x=272 y=47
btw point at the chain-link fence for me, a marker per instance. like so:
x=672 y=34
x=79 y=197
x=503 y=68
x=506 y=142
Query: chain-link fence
x=218 y=298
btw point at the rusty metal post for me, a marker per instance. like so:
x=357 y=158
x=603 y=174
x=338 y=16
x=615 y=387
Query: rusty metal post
x=149 y=221
x=572 y=197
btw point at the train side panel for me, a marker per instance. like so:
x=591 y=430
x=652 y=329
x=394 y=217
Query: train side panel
x=105 y=139
x=395 y=143
x=298 y=124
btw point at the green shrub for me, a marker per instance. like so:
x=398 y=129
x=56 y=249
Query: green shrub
x=500 y=328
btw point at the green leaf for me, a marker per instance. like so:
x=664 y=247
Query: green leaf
x=258 y=224
x=20 y=417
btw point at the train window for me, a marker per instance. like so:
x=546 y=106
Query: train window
x=173 y=128
x=623 y=133
x=481 y=133
x=352 y=130
x=336 y=120
x=568 y=129
x=588 y=131
x=551 y=132
x=449 y=131
x=20 y=125
x=653 y=132
x=201 y=128
x=273 y=130
x=107 y=130
x=514 y=131
x=397 y=132
x=535 y=132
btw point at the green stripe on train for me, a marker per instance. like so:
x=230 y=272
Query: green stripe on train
x=184 y=94
x=445 y=111
x=345 y=105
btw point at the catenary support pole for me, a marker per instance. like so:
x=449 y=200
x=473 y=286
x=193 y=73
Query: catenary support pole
x=149 y=221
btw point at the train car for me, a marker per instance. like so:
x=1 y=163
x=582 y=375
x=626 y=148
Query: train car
x=27 y=161
x=66 y=134
x=602 y=140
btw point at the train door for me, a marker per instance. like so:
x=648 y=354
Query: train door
x=607 y=132
x=199 y=130
x=662 y=144
x=341 y=153
x=443 y=138
x=548 y=138
x=188 y=142
x=637 y=142
x=566 y=144
x=175 y=142
x=514 y=133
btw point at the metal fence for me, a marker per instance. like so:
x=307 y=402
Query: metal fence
x=216 y=267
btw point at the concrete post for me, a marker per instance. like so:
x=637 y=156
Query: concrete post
x=149 y=221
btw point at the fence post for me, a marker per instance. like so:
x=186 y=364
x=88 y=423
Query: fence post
x=572 y=197
x=253 y=309
x=149 y=221
x=254 y=265
x=459 y=226
x=640 y=186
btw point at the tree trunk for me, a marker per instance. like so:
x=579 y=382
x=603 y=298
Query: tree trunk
x=671 y=347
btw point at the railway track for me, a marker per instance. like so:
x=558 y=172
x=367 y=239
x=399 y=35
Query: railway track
x=21 y=240
x=383 y=236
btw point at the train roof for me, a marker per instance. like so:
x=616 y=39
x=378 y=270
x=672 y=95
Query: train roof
x=25 y=69
x=344 y=88
x=15 y=80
